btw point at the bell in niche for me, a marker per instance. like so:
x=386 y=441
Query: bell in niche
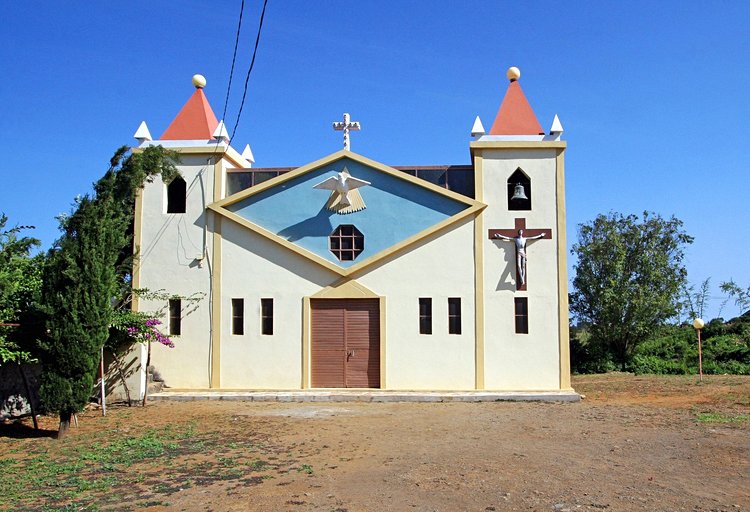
x=518 y=192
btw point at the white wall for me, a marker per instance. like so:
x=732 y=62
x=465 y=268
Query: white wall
x=439 y=269
x=171 y=246
x=521 y=361
x=254 y=268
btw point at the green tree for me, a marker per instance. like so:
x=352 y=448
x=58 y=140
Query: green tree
x=741 y=297
x=86 y=277
x=20 y=280
x=80 y=283
x=629 y=275
x=694 y=302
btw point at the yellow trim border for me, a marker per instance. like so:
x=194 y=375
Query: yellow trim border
x=137 y=235
x=479 y=363
x=220 y=207
x=223 y=151
x=562 y=275
x=215 y=380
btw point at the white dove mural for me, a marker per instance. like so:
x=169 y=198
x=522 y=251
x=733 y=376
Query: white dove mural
x=345 y=198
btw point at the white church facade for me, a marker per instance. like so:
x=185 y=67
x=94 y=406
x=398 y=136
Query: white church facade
x=348 y=273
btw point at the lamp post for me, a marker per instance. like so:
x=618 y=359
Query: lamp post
x=698 y=323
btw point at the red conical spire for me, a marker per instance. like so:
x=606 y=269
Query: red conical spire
x=196 y=120
x=515 y=117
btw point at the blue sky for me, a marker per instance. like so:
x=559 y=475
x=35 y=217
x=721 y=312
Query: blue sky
x=653 y=96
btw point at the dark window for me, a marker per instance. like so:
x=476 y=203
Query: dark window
x=175 y=317
x=519 y=191
x=176 y=195
x=458 y=178
x=435 y=176
x=238 y=316
x=266 y=316
x=454 y=315
x=425 y=315
x=346 y=242
x=238 y=181
x=241 y=179
x=522 y=315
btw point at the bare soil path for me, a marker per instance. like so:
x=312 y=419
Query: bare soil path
x=634 y=443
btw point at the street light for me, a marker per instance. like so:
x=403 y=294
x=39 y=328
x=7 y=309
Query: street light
x=698 y=323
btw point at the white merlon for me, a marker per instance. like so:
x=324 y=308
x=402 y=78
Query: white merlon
x=478 y=128
x=221 y=132
x=142 y=134
x=556 y=126
x=247 y=154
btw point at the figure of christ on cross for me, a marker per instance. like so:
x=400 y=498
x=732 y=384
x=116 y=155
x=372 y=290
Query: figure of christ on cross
x=520 y=236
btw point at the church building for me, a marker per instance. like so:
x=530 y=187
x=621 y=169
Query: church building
x=349 y=273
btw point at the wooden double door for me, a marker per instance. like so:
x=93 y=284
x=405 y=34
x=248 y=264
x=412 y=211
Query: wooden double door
x=345 y=343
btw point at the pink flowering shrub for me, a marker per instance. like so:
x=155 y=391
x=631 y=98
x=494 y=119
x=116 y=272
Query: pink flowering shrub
x=147 y=332
x=129 y=326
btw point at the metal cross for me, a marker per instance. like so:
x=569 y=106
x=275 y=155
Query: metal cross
x=346 y=126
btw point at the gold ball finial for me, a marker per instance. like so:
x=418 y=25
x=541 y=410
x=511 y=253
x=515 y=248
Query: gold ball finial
x=199 y=81
x=513 y=74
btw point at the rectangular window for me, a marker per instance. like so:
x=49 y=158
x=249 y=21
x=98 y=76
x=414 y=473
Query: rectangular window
x=175 y=317
x=522 y=315
x=238 y=316
x=454 y=315
x=266 y=316
x=425 y=316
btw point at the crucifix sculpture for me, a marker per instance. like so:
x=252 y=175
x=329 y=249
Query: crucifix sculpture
x=520 y=236
x=346 y=126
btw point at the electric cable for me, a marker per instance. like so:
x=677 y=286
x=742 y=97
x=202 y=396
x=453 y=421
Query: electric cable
x=250 y=69
x=234 y=58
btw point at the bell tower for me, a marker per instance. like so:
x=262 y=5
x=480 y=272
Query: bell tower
x=178 y=240
x=521 y=273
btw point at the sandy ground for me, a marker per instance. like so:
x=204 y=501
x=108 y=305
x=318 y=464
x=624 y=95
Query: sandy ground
x=634 y=443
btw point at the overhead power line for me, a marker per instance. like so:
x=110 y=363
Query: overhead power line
x=234 y=57
x=249 y=70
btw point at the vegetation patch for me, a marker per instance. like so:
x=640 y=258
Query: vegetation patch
x=107 y=469
x=720 y=417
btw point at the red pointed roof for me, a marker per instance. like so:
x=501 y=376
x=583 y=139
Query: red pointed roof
x=196 y=120
x=515 y=117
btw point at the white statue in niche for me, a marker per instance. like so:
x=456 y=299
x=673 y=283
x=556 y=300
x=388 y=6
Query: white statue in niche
x=344 y=198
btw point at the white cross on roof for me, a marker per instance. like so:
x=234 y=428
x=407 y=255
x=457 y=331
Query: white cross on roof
x=346 y=126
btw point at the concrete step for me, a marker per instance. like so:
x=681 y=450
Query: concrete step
x=318 y=395
x=155 y=387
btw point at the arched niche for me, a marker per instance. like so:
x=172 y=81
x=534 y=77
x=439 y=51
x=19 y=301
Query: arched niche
x=176 y=195
x=519 y=178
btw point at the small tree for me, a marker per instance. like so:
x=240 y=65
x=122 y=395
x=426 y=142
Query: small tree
x=20 y=280
x=87 y=276
x=696 y=301
x=628 y=278
x=741 y=297
x=80 y=282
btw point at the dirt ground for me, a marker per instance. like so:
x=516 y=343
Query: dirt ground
x=633 y=443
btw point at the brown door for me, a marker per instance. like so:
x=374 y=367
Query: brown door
x=345 y=343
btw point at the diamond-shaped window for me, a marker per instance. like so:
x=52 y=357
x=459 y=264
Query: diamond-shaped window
x=346 y=242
